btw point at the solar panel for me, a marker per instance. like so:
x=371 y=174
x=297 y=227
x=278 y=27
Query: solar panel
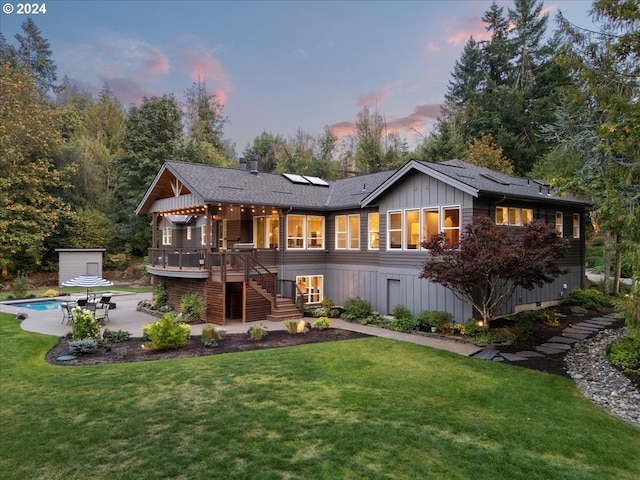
x=292 y=177
x=316 y=181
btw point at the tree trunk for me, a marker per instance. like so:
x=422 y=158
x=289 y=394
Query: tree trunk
x=618 y=274
x=607 y=262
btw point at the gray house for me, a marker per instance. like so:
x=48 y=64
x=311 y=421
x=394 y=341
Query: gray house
x=256 y=244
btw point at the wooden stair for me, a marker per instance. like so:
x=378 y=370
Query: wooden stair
x=284 y=308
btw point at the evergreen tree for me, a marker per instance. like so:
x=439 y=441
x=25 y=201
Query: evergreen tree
x=34 y=52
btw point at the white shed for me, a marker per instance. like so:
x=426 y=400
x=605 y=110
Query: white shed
x=73 y=262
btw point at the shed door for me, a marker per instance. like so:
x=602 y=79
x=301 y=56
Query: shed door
x=92 y=268
x=394 y=294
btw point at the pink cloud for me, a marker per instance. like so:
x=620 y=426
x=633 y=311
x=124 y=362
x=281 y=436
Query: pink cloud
x=127 y=91
x=475 y=28
x=201 y=66
x=374 y=98
x=432 y=47
x=343 y=128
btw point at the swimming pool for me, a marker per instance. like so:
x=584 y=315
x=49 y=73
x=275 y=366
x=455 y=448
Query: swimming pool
x=40 y=305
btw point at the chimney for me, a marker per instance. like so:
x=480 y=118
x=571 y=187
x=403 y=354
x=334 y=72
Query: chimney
x=243 y=163
x=254 y=164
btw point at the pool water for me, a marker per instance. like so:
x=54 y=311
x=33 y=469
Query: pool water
x=40 y=305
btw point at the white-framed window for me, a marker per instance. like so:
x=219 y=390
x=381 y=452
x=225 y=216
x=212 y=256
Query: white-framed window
x=576 y=225
x=166 y=235
x=559 y=223
x=312 y=287
x=188 y=232
x=513 y=216
x=406 y=230
x=430 y=223
x=348 y=232
x=265 y=231
x=305 y=231
x=451 y=224
x=374 y=231
x=394 y=230
x=412 y=229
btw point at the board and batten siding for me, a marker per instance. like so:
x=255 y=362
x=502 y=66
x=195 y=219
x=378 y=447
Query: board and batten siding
x=73 y=262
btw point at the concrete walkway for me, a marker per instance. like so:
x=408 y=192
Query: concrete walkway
x=125 y=317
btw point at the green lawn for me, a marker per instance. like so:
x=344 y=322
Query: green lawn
x=359 y=409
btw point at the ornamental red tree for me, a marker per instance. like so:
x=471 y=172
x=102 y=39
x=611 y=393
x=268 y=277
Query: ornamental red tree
x=491 y=261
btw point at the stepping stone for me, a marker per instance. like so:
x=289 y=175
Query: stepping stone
x=512 y=357
x=568 y=340
x=589 y=326
x=581 y=331
x=529 y=354
x=550 y=351
x=577 y=336
x=66 y=358
x=498 y=359
x=487 y=354
x=557 y=346
x=602 y=322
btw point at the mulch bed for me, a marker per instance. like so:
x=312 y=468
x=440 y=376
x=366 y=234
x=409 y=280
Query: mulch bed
x=131 y=350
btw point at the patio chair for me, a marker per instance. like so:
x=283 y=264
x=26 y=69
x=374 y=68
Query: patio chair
x=67 y=314
x=104 y=300
x=82 y=302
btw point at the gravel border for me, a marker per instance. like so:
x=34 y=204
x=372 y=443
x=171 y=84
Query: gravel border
x=588 y=365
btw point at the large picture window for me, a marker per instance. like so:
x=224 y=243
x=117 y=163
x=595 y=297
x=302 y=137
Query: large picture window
x=374 y=231
x=406 y=230
x=311 y=287
x=513 y=216
x=265 y=231
x=348 y=232
x=305 y=232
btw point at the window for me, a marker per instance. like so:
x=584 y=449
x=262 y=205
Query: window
x=305 y=232
x=576 y=225
x=374 y=231
x=412 y=229
x=451 y=225
x=166 y=235
x=203 y=235
x=265 y=231
x=430 y=223
x=394 y=230
x=315 y=232
x=513 y=216
x=311 y=287
x=348 y=232
x=559 y=223
x=189 y=232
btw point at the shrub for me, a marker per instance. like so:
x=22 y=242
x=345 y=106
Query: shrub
x=356 y=308
x=166 y=333
x=117 y=336
x=435 y=319
x=209 y=336
x=161 y=297
x=50 y=293
x=479 y=333
x=625 y=353
x=591 y=299
x=85 y=325
x=400 y=312
x=257 y=332
x=192 y=307
x=546 y=316
x=20 y=285
x=523 y=328
x=321 y=324
x=374 y=320
x=291 y=325
x=404 y=324
x=85 y=345
x=327 y=303
x=629 y=307
x=334 y=312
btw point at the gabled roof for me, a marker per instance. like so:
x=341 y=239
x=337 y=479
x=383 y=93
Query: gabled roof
x=477 y=181
x=211 y=184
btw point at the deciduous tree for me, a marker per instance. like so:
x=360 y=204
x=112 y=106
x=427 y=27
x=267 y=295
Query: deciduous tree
x=492 y=261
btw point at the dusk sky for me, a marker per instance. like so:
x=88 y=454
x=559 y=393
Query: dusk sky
x=275 y=65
